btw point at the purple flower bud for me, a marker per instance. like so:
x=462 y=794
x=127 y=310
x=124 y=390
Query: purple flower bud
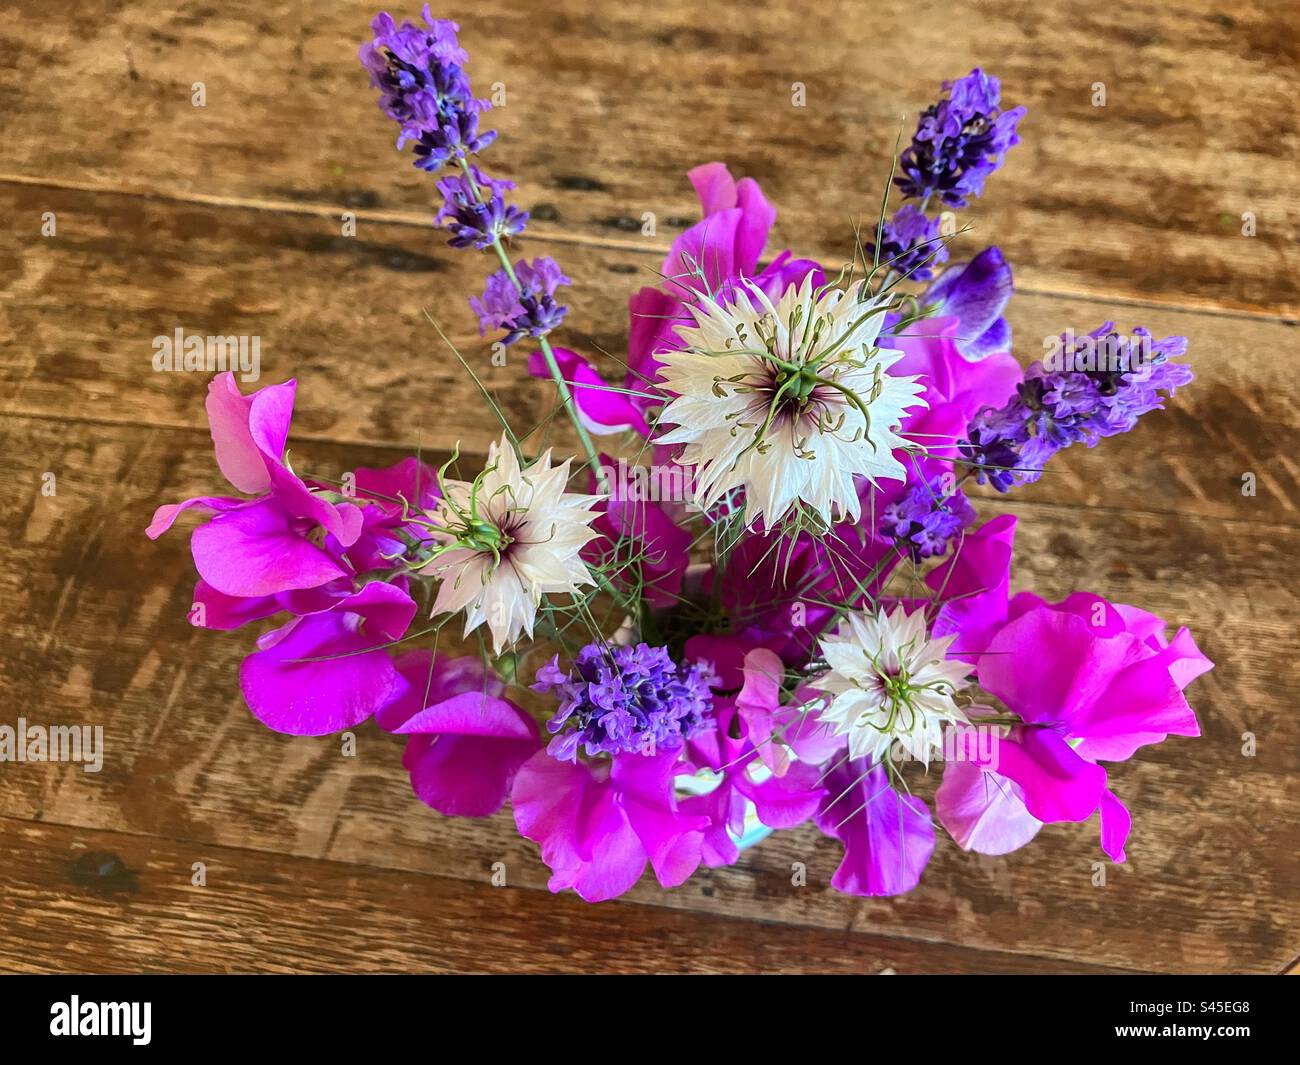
x=623 y=699
x=533 y=312
x=475 y=210
x=911 y=244
x=959 y=141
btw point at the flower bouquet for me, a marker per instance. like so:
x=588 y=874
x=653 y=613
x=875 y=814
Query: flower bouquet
x=775 y=600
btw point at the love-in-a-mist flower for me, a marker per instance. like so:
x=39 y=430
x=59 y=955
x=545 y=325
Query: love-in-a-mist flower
x=889 y=682
x=788 y=401
x=511 y=536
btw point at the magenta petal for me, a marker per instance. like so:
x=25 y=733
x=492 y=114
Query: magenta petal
x=342 y=521
x=703 y=259
x=719 y=806
x=756 y=219
x=473 y=714
x=339 y=690
x=973 y=585
x=758 y=702
x=725 y=653
x=581 y=829
x=654 y=316
x=269 y=414
x=254 y=551
x=1184 y=660
x=983 y=811
x=786 y=801
x=602 y=411
x=661 y=546
x=1056 y=784
x=803 y=730
x=237 y=455
x=386 y=609
x=409 y=479
x=465 y=775
x=433 y=681
x=618 y=857
x=221 y=611
x=715 y=187
x=1115 y=824
x=784 y=271
x=671 y=839
x=466 y=748
x=165 y=516
x=888 y=838
x=547 y=798
x=1047 y=666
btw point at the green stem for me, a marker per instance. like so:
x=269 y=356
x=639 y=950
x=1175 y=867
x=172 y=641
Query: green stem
x=566 y=394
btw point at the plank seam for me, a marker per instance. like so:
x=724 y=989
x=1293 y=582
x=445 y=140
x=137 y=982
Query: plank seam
x=421 y=220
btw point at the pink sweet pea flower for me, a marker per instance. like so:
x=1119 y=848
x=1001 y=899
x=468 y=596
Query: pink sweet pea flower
x=1093 y=681
x=709 y=257
x=467 y=741
x=599 y=824
x=258 y=547
x=783 y=800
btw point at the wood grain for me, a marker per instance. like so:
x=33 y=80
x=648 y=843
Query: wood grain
x=347 y=318
x=138 y=910
x=225 y=219
x=607 y=107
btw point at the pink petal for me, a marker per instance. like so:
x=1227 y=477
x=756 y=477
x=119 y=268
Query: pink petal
x=237 y=455
x=253 y=551
x=983 y=811
x=888 y=838
x=349 y=676
x=165 y=516
x=1115 y=824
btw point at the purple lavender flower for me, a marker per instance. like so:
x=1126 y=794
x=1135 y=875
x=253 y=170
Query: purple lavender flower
x=475 y=210
x=911 y=244
x=533 y=312
x=925 y=520
x=422 y=85
x=622 y=699
x=959 y=141
x=1089 y=388
x=975 y=293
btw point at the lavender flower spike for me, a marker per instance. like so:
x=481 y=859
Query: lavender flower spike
x=1088 y=388
x=911 y=244
x=475 y=211
x=622 y=699
x=525 y=308
x=959 y=141
x=422 y=85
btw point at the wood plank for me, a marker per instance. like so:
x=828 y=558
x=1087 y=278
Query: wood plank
x=1141 y=198
x=78 y=314
x=95 y=632
x=138 y=911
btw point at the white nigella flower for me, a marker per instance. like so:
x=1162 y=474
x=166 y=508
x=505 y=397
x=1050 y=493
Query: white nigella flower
x=889 y=682
x=512 y=535
x=787 y=401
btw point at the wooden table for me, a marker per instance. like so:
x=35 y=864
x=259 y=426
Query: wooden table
x=226 y=219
